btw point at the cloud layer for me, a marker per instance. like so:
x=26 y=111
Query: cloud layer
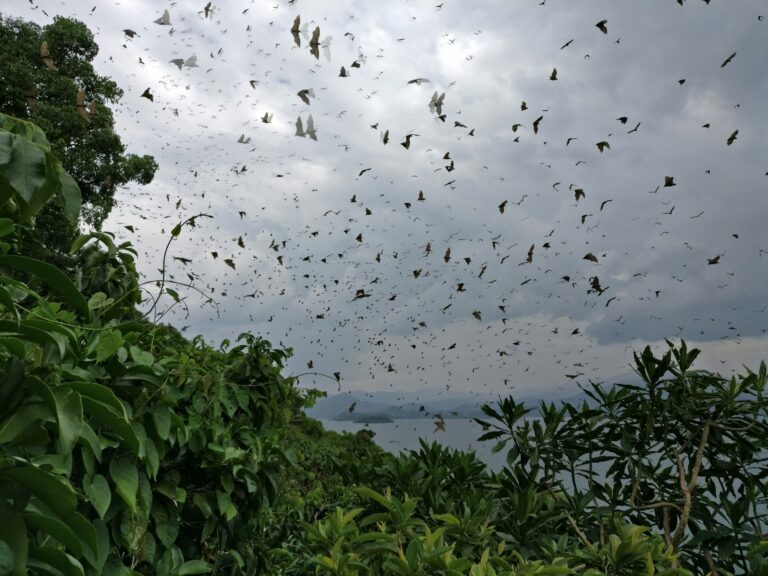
x=351 y=269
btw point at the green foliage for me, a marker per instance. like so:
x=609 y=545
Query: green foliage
x=82 y=137
x=684 y=453
x=123 y=448
x=393 y=540
x=30 y=174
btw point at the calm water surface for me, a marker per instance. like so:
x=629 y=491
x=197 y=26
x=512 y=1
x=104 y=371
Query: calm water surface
x=402 y=435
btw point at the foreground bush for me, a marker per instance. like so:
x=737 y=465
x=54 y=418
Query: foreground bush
x=123 y=447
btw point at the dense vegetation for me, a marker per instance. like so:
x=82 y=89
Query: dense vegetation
x=128 y=449
x=63 y=95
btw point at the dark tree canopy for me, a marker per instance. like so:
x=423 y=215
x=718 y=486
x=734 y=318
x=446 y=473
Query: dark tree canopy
x=48 y=77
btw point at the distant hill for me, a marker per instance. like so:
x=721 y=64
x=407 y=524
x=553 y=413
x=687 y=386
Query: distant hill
x=363 y=418
x=367 y=404
x=336 y=407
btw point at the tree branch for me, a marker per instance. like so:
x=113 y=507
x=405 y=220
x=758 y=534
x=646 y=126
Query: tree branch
x=687 y=487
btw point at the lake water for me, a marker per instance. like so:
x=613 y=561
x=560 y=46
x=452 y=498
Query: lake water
x=402 y=435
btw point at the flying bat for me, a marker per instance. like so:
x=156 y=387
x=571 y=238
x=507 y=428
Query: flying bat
x=602 y=26
x=164 y=20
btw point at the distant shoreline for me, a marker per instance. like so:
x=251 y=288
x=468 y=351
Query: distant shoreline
x=364 y=418
x=376 y=418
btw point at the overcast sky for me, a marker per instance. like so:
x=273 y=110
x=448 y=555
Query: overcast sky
x=482 y=318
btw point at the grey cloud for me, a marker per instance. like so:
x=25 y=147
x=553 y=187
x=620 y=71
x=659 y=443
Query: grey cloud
x=498 y=53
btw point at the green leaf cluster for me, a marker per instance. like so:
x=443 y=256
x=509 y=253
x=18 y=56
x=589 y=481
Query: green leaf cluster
x=123 y=447
x=82 y=138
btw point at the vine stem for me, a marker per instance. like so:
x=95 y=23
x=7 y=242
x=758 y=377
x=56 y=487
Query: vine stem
x=174 y=233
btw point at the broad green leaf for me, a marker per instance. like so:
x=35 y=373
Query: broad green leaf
x=554 y=571
x=226 y=508
x=15 y=425
x=6 y=301
x=99 y=393
x=166 y=528
x=141 y=357
x=115 y=422
x=44 y=556
x=51 y=185
x=107 y=344
x=447 y=518
x=15 y=346
x=91 y=440
x=6 y=559
x=13 y=533
x=141 y=436
x=26 y=170
x=70 y=193
x=56 y=529
x=25 y=331
x=202 y=503
x=105 y=238
x=98 y=492
x=194 y=567
x=63 y=334
x=69 y=413
x=98 y=557
x=161 y=416
x=58 y=464
x=56 y=280
x=6 y=146
x=152 y=459
x=41 y=389
x=115 y=567
x=55 y=492
x=58 y=495
x=7 y=227
x=19 y=422
x=11 y=380
x=373 y=495
x=141 y=373
x=97 y=301
x=126 y=477
x=176 y=230
x=75 y=373
x=147 y=548
x=24 y=128
x=167 y=563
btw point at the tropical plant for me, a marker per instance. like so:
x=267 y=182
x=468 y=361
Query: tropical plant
x=48 y=78
x=123 y=447
x=392 y=541
x=684 y=452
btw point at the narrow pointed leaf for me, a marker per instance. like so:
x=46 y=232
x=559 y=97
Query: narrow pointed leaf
x=56 y=280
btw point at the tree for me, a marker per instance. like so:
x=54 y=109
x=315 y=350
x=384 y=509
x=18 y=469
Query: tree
x=164 y=457
x=48 y=77
x=683 y=452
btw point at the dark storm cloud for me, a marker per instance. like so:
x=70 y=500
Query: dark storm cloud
x=487 y=57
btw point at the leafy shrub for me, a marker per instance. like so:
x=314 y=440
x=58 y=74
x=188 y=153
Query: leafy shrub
x=393 y=541
x=684 y=452
x=123 y=447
